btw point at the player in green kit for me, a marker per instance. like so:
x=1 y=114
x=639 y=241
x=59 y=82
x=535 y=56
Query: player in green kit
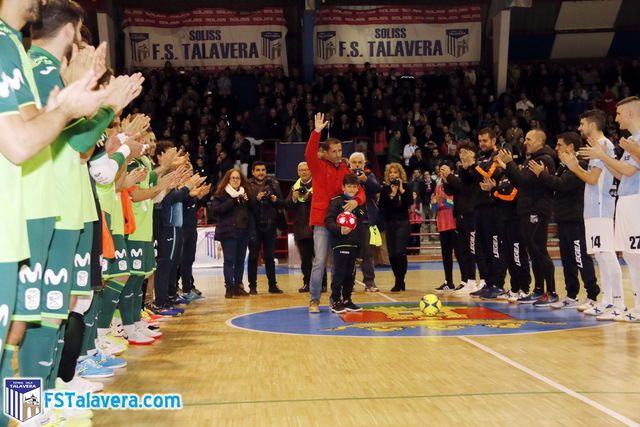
x=25 y=131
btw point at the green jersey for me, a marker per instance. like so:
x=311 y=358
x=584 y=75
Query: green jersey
x=143 y=211
x=14 y=244
x=38 y=186
x=111 y=203
x=72 y=186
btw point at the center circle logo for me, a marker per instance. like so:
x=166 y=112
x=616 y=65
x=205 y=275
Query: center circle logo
x=404 y=319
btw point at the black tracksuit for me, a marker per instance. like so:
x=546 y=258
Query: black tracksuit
x=568 y=204
x=345 y=249
x=465 y=195
x=534 y=210
x=189 y=241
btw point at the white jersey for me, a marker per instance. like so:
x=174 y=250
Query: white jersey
x=630 y=185
x=598 y=199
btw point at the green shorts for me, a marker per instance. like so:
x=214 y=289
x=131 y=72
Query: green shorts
x=9 y=280
x=58 y=276
x=118 y=266
x=81 y=285
x=27 y=304
x=142 y=257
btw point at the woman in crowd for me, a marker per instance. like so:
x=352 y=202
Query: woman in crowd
x=395 y=201
x=232 y=205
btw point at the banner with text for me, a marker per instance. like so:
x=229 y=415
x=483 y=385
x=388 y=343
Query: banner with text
x=208 y=38
x=404 y=38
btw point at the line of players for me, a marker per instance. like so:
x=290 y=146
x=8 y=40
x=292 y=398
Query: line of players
x=77 y=229
x=504 y=203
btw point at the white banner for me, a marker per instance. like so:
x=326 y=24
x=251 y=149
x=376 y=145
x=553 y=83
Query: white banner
x=208 y=250
x=405 y=38
x=208 y=38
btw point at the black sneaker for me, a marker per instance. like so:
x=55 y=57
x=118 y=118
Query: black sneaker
x=253 y=290
x=338 y=307
x=445 y=287
x=350 y=306
x=275 y=290
x=229 y=293
x=304 y=288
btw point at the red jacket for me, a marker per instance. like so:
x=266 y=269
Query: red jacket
x=327 y=181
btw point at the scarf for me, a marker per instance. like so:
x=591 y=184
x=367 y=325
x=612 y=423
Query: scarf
x=234 y=193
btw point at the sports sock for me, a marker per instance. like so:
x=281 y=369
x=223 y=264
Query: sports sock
x=36 y=354
x=633 y=261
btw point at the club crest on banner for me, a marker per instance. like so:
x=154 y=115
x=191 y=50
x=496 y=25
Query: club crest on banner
x=325 y=44
x=140 y=48
x=271 y=44
x=457 y=42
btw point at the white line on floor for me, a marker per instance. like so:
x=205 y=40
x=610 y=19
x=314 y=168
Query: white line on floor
x=550 y=382
x=382 y=294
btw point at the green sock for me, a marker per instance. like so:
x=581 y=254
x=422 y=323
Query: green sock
x=90 y=323
x=35 y=357
x=6 y=371
x=110 y=299
x=57 y=355
x=128 y=300
x=138 y=282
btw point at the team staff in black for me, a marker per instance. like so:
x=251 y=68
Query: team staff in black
x=465 y=200
x=568 y=206
x=395 y=201
x=534 y=210
x=268 y=199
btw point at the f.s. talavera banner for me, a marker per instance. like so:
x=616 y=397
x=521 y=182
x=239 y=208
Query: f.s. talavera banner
x=405 y=38
x=207 y=38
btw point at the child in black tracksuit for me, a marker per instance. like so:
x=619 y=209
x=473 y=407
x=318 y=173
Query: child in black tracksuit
x=344 y=242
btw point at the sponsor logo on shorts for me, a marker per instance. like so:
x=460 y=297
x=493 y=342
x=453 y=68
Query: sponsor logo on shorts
x=30 y=275
x=122 y=265
x=55 y=300
x=51 y=278
x=121 y=254
x=82 y=261
x=32 y=299
x=82 y=278
x=105 y=265
x=136 y=253
x=137 y=264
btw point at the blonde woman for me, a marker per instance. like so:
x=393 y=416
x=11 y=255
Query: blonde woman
x=395 y=200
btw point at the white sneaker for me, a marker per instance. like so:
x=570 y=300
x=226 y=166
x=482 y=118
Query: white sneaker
x=117 y=330
x=79 y=385
x=609 y=313
x=105 y=347
x=465 y=289
x=586 y=304
x=595 y=310
x=515 y=296
x=136 y=337
x=631 y=316
x=565 y=303
x=507 y=295
x=142 y=328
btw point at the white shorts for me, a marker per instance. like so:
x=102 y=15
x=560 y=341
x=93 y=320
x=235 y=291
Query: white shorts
x=599 y=235
x=627 y=226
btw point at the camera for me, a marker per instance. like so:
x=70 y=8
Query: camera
x=302 y=191
x=267 y=193
x=359 y=172
x=395 y=182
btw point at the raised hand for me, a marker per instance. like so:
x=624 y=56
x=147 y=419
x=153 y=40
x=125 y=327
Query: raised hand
x=122 y=90
x=536 y=167
x=320 y=123
x=135 y=176
x=487 y=184
x=569 y=160
x=78 y=99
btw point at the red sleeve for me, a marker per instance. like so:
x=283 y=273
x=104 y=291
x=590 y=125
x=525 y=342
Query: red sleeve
x=361 y=197
x=311 y=153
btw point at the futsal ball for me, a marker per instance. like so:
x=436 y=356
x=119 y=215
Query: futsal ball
x=347 y=219
x=430 y=305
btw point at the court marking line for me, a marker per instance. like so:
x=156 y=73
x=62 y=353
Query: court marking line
x=616 y=415
x=426 y=396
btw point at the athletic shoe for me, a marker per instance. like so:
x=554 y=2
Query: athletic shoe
x=116 y=327
x=80 y=385
x=546 y=299
x=478 y=291
x=153 y=315
x=107 y=361
x=191 y=296
x=529 y=299
x=169 y=312
x=314 y=306
x=88 y=368
x=196 y=290
x=515 y=296
x=506 y=295
x=566 y=303
x=338 y=307
x=119 y=341
x=586 y=304
x=105 y=347
x=304 y=289
x=253 y=290
x=630 y=316
x=275 y=290
x=138 y=338
x=178 y=300
x=372 y=288
x=491 y=293
x=350 y=306
x=147 y=332
x=149 y=319
x=596 y=310
x=464 y=290
x=445 y=288
x=610 y=312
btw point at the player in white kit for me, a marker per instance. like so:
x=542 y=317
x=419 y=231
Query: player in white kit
x=627 y=170
x=599 y=208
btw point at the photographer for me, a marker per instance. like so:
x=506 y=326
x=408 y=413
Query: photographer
x=299 y=202
x=268 y=199
x=395 y=201
x=369 y=183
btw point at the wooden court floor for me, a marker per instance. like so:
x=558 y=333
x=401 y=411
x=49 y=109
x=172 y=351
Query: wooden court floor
x=234 y=377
